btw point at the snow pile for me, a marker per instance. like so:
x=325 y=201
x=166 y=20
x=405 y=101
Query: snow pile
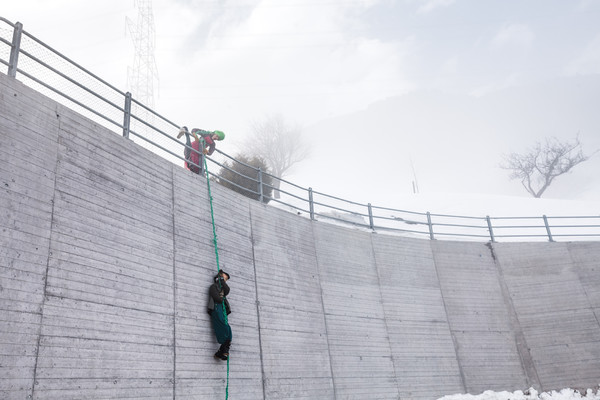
x=531 y=394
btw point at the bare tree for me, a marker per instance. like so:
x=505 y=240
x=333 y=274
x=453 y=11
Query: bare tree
x=280 y=144
x=540 y=165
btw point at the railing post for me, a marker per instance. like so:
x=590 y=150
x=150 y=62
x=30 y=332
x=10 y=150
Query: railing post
x=489 y=223
x=430 y=226
x=547 y=228
x=311 y=203
x=371 y=225
x=14 y=50
x=260 y=185
x=127 y=115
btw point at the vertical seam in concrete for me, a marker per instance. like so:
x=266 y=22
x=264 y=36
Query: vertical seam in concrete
x=43 y=305
x=569 y=245
x=454 y=340
x=387 y=328
x=174 y=285
x=323 y=307
x=257 y=303
x=531 y=376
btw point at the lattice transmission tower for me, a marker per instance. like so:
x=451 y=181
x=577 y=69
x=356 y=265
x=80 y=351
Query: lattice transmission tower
x=141 y=78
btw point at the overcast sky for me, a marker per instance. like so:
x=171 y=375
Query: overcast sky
x=391 y=74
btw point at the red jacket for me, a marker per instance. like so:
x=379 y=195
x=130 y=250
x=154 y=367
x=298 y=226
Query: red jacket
x=195 y=155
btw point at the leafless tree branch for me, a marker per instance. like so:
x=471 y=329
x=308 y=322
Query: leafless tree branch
x=279 y=143
x=539 y=166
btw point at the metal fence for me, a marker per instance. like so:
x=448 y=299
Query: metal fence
x=53 y=74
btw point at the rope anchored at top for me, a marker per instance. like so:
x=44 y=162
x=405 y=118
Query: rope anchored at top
x=212 y=216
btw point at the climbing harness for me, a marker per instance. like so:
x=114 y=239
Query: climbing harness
x=212 y=215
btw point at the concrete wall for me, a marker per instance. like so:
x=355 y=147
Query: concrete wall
x=106 y=256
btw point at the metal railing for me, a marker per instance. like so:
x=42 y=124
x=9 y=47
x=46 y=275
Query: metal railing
x=53 y=74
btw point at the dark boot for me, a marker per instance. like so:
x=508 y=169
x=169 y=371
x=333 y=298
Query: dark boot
x=220 y=355
x=225 y=348
x=223 y=352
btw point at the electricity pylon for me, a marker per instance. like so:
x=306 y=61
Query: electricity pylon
x=142 y=76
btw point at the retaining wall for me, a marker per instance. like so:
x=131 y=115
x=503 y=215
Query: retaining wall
x=107 y=256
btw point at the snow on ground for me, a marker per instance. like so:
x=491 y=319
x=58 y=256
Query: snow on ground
x=531 y=394
x=480 y=205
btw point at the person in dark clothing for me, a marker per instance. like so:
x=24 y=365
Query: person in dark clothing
x=218 y=308
x=192 y=149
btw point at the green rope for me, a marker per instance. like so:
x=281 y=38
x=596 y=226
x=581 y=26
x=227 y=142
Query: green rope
x=212 y=216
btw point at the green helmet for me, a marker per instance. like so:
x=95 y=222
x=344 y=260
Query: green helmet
x=220 y=134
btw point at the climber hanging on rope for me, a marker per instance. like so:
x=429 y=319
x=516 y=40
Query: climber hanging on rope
x=218 y=308
x=192 y=149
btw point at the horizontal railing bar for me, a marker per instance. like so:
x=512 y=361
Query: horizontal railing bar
x=71 y=80
x=238 y=186
x=161 y=147
x=574 y=226
x=72 y=62
x=406 y=221
x=550 y=217
x=68 y=98
x=7 y=21
x=538 y=217
x=340 y=199
x=238 y=161
x=154 y=113
x=290 y=205
x=576 y=234
x=575 y=217
x=289 y=183
x=460 y=234
x=342 y=220
x=293 y=195
x=387 y=228
x=397 y=210
x=40 y=64
x=155 y=129
x=525 y=235
x=518 y=226
x=456 y=216
x=339 y=209
x=460 y=226
x=231 y=170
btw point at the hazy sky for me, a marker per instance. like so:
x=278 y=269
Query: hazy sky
x=222 y=64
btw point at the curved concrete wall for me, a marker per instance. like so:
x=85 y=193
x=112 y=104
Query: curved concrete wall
x=107 y=255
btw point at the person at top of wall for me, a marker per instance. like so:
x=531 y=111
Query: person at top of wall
x=218 y=308
x=192 y=149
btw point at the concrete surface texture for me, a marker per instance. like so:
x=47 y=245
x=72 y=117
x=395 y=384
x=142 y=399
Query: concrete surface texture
x=107 y=256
